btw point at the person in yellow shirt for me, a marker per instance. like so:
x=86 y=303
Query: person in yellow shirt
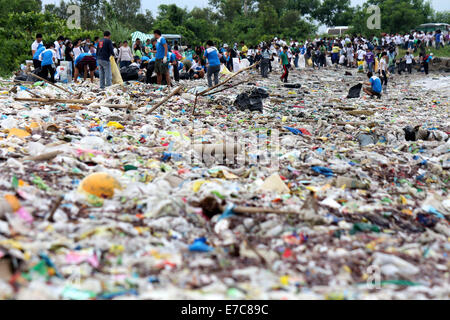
x=335 y=53
x=244 y=50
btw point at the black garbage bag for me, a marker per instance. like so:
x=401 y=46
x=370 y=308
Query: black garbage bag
x=154 y=80
x=251 y=100
x=150 y=70
x=355 y=91
x=22 y=76
x=402 y=66
x=129 y=73
x=410 y=133
x=185 y=76
x=293 y=85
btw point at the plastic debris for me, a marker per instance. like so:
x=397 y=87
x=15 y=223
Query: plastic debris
x=316 y=196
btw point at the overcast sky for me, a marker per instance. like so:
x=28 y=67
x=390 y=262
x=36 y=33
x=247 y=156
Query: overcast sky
x=439 y=5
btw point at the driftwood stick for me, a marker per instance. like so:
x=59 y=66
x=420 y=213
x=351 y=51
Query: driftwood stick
x=204 y=92
x=32 y=93
x=55 y=207
x=76 y=101
x=195 y=104
x=49 y=82
x=232 y=86
x=49 y=100
x=174 y=92
x=253 y=210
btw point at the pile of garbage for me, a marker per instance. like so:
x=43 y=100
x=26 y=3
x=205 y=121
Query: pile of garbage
x=318 y=196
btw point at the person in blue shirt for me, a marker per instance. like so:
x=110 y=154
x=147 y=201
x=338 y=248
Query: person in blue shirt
x=212 y=55
x=34 y=47
x=438 y=38
x=144 y=62
x=174 y=62
x=375 y=85
x=47 y=58
x=83 y=63
x=161 y=62
x=36 y=61
x=302 y=49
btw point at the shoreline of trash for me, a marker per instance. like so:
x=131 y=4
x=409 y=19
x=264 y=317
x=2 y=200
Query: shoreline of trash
x=324 y=197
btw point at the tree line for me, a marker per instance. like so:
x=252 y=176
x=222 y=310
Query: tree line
x=249 y=20
x=222 y=21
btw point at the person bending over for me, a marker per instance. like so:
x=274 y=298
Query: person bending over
x=375 y=85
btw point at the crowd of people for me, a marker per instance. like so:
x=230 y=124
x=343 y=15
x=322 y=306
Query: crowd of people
x=378 y=56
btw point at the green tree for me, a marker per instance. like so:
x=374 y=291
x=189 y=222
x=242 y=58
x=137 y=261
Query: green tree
x=18 y=6
x=334 y=12
x=144 y=22
x=303 y=6
x=176 y=15
x=58 y=10
x=16 y=41
x=227 y=9
x=396 y=15
x=126 y=10
x=91 y=12
x=441 y=17
x=119 y=31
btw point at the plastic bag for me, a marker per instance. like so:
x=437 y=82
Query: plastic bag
x=116 y=77
x=354 y=91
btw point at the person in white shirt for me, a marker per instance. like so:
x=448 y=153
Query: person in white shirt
x=125 y=55
x=36 y=44
x=383 y=70
x=388 y=39
x=429 y=39
x=58 y=48
x=349 y=51
x=361 y=53
x=406 y=38
x=76 y=49
x=409 y=60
